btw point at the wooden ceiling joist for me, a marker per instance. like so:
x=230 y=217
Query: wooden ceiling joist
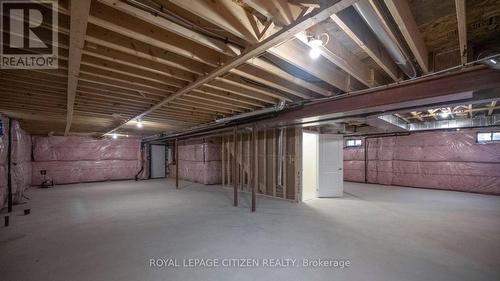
x=192 y=35
x=215 y=44
x=462 y=29
x=354 y=28
x=294 y=52
x=255 y=50
x=79 y=18
x=401 y=12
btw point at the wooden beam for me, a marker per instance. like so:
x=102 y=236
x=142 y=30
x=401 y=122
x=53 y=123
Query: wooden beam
x=166 y=24
x=341 y=56
x=462 y=29
x=116 y=21
x=233 y=172
x=277 y=38
x=254 y=165
x=224 y=13
x=271 y=68
x=79 y=18
x=177 y=163
x=295 y=53
x=400 y=11
x=422 y=91
x=352 y=24
x=192 y=35
x=280 y=12
x=492 y=106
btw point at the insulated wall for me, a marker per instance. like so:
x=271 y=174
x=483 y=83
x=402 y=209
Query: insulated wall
x=200 y=161
x=20 y=161
x=449 y=160
x=85 y=159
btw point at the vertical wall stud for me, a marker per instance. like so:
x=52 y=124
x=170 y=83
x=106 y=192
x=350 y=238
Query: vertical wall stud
x=177 y=163
x=253 y=156
x=235 y=186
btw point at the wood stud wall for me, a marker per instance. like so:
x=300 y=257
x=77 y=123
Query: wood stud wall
x=264 y=156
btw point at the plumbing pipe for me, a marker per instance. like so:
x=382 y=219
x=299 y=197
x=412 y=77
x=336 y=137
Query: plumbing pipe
x=279 y=107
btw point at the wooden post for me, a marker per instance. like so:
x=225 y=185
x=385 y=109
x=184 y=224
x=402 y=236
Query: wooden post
x=273 y=159
x=9 y=168
x=223 y=160
x=177 y=163
x=285 y=163
x=235 y=187
x=253 y=155
x=265 y=161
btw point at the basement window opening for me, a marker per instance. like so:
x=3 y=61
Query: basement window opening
x=486 y=137
x=353 y=143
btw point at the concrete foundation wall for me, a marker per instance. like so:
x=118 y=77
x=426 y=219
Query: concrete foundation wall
x=449 y=160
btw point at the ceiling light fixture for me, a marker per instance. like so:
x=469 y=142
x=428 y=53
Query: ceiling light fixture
x=139 y=123
x=444 y=114
x=314 y=53
x=493 y=61
x=316 y=43
x=115 y=136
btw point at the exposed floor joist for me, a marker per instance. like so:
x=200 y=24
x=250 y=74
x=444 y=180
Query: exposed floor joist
x=79 y=18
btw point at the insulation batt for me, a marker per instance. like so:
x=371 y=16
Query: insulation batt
x=59 y=148
x=449 y=160
x=21 y=161
x=85 y=159
x=201 y=161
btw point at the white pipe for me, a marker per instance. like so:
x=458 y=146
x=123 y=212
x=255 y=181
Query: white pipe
x=280 y=106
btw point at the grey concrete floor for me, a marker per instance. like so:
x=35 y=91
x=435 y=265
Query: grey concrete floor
x=110 y=231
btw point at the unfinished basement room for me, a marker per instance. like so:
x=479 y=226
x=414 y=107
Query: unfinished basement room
x=250 y=140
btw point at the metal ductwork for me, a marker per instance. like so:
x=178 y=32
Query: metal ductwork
x=476 y=121
x=367 y=11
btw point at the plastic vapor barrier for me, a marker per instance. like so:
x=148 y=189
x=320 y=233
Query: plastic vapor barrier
x=201 y=161
x=449 y=160
x=20 y=161
x=85 y=159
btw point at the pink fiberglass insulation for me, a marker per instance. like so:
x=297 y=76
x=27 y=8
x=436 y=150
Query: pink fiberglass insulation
x=85 y=159
x=86 y=171
x=201 y=161
x=3 y=160
x=449 y=160
x=59 y=148
x=20 y=161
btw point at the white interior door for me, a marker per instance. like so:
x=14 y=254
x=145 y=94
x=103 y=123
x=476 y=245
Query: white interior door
x=330 y=170
x=309 y=165
x=157 y=161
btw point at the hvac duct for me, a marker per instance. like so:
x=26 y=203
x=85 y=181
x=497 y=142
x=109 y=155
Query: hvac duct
x=386 y=37
x=476 y=121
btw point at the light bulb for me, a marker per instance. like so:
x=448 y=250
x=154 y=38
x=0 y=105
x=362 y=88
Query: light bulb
x=315 y=42
x=115 y=136
x=139 y=124
x=444 y=114
x=314 y=53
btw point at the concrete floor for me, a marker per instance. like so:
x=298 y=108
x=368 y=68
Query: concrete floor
x=110 y=231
